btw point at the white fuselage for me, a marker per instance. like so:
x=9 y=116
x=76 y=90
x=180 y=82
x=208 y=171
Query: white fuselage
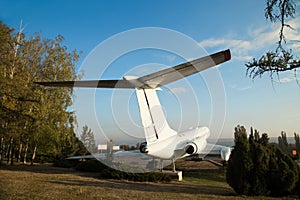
x=174 y=147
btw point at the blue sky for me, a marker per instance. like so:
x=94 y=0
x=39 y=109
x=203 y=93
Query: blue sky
x=215 y=25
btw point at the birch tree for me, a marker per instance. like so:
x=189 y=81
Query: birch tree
x=37 y=119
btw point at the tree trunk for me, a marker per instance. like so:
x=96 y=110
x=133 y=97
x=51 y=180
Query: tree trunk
x=33 y=155
x=12 y=154
x=9 y=151
x=6 y=151
x=20 y=152
x=25 y=152
x=1 y=149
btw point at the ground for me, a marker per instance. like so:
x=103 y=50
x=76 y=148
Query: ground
x=43 y=181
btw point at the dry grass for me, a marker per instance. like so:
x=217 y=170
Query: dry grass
x=46 y=182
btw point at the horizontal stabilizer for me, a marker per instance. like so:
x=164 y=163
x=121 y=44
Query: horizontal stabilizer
x=153 y=80
x=172 y=74
x=91 y=84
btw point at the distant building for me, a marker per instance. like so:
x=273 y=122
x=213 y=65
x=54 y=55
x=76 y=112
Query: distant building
x=103 y=148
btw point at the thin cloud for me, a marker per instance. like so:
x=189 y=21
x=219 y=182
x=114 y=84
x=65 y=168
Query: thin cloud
x=240 y=47
x=239 y=44
x=170 y=58
x=239 y=88
x=146 y=69
x=262 y=38
x=292 y=35
x=177 y=90
x=289 y=77
x=243 y=58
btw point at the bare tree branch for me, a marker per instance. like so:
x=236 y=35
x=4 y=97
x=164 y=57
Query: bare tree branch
x=282 y=59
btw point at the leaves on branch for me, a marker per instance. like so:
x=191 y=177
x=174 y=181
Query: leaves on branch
x=280 y=60
x=272 y=62
x=39 y=116
x=279 y=10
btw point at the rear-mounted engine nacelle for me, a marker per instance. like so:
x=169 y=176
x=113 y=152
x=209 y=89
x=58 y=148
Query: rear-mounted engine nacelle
x=195 y=146
x=191 y=148
x=143 y=147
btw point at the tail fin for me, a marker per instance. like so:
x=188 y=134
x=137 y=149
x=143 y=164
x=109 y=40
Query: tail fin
x=154 y=121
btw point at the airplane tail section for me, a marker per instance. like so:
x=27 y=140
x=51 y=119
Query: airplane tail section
x=153 y=119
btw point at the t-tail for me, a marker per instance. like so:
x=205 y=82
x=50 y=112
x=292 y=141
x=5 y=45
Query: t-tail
x=153 y=119
x=154 y=122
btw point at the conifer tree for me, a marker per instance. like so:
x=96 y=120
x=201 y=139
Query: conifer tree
x=240 y=163
x=256 y=167
x=88 y=140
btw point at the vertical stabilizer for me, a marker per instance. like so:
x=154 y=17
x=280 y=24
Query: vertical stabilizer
x=153 y=119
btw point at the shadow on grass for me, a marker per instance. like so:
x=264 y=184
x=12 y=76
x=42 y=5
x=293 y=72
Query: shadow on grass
x=150 y=187
x=40 y=168
x=217 y=176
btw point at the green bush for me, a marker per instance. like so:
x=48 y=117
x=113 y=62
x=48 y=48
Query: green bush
x=43 y=158
x=106 y=172
x=140 y=177
x=240 y=164
x=256 y=167
x=91 y=166
x=283 y=173
x=64 y=163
